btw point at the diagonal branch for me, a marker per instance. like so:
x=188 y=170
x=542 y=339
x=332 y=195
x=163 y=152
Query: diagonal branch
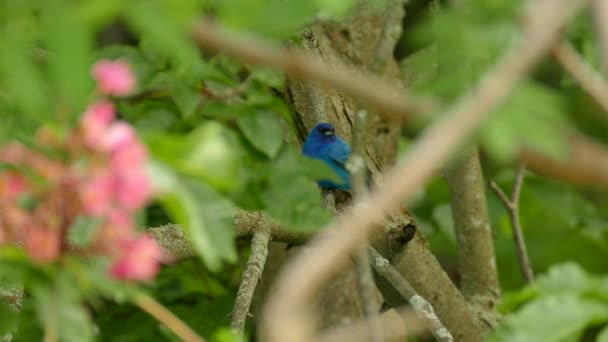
x=370 y=90
x=591 y=81
x=421 y=306
x=166 y=317
x=288 y=315
x=600 y=13
x=512 y=206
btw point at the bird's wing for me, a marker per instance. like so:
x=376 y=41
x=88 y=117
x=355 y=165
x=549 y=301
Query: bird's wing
x=339 y=152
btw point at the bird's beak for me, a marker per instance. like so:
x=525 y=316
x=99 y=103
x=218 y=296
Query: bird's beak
x=328 y=133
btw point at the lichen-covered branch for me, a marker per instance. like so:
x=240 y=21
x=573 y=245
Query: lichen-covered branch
x=476 y=257
x=422 y=307
x=249 y=280
x=512 y=207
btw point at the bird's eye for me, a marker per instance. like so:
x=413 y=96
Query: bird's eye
x=322 y=129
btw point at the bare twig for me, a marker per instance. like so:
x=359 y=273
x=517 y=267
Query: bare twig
x=287 y=315
x=421 y=306
x=476 y=257
x=600 y=12
x=166 y=317
x=591 y=81
x=512 y=206
x=251 y=276
x=368 y=89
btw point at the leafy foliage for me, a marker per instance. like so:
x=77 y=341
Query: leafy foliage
x=216 y=131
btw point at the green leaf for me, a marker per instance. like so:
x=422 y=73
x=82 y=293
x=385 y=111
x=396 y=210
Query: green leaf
x=534 y=117
x=291 y=195
x=211 y=152
x=60 y=309
x=69 y=42
x=82 y=230
x=186 y=97
x=551 y=318
x=603 y=335
x=149 y=19
x=10 y=316
x=206 y=217
x=19 y=75
x=263 y=130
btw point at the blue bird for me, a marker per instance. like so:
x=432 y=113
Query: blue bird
x=323 y=143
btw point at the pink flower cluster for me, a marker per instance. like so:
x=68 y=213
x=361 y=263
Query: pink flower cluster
x=101 y=176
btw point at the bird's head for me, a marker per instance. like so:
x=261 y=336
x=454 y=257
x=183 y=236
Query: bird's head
x=324 y=132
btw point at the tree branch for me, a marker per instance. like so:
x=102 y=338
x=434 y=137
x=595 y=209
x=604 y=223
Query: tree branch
x=251 y=276
x=423 y=309
x=398 y=324
x=592 y=82
x=600 y=13
x=287 y=315
x=476 y=257
x=166 y=317
x=512 y=206
x=586 y=163
x=370 y=90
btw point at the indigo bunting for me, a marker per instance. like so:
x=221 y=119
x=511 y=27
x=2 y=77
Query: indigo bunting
x=323 y=143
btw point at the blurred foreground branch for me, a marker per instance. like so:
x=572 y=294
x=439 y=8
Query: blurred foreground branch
x=590 y=80
x=586 y=163
x=368 y=89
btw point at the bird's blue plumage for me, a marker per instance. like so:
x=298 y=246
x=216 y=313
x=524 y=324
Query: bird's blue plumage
x=323 y=143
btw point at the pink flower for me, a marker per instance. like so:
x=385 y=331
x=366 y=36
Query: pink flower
x=43 y=245
x=139 y=261
x=117 y=134
x=114 y=77
x=129 y=155
x=12 y=185
x=96 y=121
x=96 y=194
x=133 y=189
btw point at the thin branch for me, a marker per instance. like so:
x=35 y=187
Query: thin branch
x=166 y=317
x=591 y=81
x=600 y=13
x=288 y=315
x=421 y=306
x=476 y=257
x=371 y=90
x=251 y=276
x=512 y=206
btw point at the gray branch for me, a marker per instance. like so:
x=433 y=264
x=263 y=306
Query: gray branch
x=421 y=306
